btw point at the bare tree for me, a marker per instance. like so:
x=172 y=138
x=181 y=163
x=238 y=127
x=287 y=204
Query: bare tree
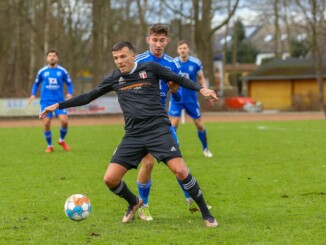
x=84 y=31
x=142 y=7
x=97 y=5
x=47 y=6
x=287 y=20
x=202 y=13
x=32 y=53
x=274 y=13
x=313 y=11
x=276 y=29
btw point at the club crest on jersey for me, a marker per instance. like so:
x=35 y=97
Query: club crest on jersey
x=191 y=68
x=58 y=73
x=52 y=81
x=143 y=74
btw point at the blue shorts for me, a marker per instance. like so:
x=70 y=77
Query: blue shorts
x=57 y=112
x=192 y=109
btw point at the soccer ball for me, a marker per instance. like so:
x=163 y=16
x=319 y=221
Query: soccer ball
x=78 y=207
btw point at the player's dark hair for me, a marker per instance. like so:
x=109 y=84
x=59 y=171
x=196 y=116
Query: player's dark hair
x=52 y=51
x=183 y=42
x=159 y=28
x=120 y=45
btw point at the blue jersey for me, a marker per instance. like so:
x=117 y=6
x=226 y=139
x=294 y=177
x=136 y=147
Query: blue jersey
x=167 y=62
x=52 y=80
x=189 y=69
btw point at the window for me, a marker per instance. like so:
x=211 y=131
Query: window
x=268 y=38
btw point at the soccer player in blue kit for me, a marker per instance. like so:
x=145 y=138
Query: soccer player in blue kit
x=157 y=40
x=53 y=77
x=191 y=68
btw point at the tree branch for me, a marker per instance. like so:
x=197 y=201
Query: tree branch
x=226 y=20
x=175 y=10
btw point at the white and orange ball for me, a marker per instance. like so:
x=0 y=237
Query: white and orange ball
x=78 y=207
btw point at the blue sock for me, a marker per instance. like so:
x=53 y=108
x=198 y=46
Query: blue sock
x=63 y=132
x=175 y=128
x=203 y=139
x=183 y=189
x=48 y=137
x=143 y=190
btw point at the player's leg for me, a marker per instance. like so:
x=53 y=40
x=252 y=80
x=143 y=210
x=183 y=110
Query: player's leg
x=128 y=155
x=47 y=128
x=113 y=180
x=202 y=135
x=169 y=153
x=175 y=122
x=47 y=133
x=144 y=183
x=179 y=168
x=188 y=198
x=63 y=117
x=193 y=110
x=175 y=110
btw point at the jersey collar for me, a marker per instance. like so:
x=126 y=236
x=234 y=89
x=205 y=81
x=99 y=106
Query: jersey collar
x=133 y=69
x=154 y=57
x=183 y=62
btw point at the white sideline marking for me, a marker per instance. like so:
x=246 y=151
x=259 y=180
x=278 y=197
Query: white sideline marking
x=288 y=129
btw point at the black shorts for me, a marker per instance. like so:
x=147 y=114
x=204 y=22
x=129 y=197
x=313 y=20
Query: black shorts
x=133 y=148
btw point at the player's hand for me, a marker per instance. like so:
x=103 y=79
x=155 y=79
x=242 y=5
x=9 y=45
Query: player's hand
x=31 y=99
x=48 y=109
x=68 y=96
x=173 y=87
x=209 y=93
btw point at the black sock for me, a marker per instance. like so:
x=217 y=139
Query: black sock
x=192 y=187
x=122 y=191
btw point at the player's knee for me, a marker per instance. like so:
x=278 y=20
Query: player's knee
x=199 y=124
x=110 y=181
x=200 y=127
x=181 y=173
x=47 y=124
x=147 y=165
x=64 y=123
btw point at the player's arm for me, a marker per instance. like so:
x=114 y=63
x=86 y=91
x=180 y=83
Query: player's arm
x=174 y=87
x=35 y=88
x=70 y=86
x=201 y=78
x=167 y=75
x=175 y=91
x=80 y=100
x=86 y=98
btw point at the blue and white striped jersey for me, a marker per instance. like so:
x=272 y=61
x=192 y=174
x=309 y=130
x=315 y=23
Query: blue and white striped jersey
x=52 y=80
x=189 y=69
x=168 y=63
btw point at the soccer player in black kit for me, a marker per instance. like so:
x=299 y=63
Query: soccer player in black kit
x=147 y=126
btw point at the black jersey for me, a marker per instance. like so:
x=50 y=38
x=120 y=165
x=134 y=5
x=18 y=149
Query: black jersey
x=138 y=94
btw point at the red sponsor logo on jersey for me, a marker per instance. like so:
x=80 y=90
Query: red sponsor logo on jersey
x=143 y=74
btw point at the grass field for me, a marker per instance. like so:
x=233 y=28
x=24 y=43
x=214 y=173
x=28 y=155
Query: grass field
x=266 y=183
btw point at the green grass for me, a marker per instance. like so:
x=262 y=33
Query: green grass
x=266 y=183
